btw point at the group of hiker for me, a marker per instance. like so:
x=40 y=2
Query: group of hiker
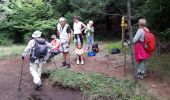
x=42 y=51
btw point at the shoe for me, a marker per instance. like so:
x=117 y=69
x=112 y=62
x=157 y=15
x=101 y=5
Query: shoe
x=78 y=62
x=82 y=62
x=38 y=87
x=68 y=65
x=64 y=64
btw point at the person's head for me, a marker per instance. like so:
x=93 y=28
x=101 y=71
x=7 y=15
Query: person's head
x=79 y=46
x=62 y=21
x=36 y=34
x=75 y=19
x=142 y=22
x=90 y=23
x=53 y=37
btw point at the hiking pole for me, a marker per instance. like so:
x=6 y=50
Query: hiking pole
x=54 y=62
x=19 y=87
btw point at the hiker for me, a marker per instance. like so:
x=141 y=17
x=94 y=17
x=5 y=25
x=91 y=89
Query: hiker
x=89 y=35
x=55 y=48
x=78 y=28
x=64 y=31
x=38 y=48
x=79 y=54
x=140 y=53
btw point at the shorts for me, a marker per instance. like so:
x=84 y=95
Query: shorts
x=78 y=39
x=64 y=48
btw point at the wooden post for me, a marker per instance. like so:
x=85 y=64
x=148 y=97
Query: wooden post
x=123 y=25
x=131 y=41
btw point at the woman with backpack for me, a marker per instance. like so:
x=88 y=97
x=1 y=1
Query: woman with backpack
x=141 y=55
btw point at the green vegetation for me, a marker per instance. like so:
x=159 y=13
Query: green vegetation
x=11 y=51
x=97 y=86
x=160 y=64
x=110 y=45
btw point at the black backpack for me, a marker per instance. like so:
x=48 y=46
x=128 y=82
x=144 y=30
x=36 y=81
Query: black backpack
x=40 y=49
x=115 y=51
x=95 y=48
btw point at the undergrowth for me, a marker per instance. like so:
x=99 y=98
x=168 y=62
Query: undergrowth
x=98 y=86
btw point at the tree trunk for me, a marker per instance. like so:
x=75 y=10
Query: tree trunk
x=131 y=41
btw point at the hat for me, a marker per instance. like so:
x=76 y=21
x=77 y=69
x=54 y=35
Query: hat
x=90 y=22
x=36 y=34
x=53 y=36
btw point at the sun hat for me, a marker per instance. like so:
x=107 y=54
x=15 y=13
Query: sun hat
x=36 y=34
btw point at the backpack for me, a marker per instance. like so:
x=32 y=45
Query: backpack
x=115 y=51
x=95 y=48
x=40 y=49
x=150 y=41
x=90 y=54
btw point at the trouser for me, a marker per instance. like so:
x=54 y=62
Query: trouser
x=90 y=41
x=36 y=70
x=78 y=39
x=142 y=67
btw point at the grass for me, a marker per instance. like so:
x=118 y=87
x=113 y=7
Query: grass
x=110 y=45
x=161 y=65
x=11 y=51
x=99 y=87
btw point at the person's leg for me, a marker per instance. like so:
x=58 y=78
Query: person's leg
x=141 y=68
x=78 y=61
x=34 y=73
x=82 y=60
x=88 y=43
x=68 y=59
x=81 y=39
x=40 y=69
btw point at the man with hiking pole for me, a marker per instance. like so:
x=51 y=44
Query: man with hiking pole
x=38 y=48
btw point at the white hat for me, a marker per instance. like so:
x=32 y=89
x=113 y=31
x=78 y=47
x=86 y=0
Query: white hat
x=36 y=34
x=90 y=22
x=61 y=19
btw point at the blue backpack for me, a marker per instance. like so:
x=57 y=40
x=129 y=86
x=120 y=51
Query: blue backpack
x=90 y=54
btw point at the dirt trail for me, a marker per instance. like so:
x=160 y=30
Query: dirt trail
x=9 y=76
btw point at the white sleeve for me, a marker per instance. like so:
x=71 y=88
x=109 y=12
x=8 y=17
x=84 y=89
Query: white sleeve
x=137 y=36
x=28 y=48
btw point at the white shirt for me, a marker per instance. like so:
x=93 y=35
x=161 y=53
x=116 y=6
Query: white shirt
x=79 y=51
x=77 y=27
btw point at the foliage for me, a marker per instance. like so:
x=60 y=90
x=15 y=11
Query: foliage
x=28 y=16
x=98 y=86
x=157 y=15
x=160 y=65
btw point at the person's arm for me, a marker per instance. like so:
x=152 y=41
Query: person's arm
x=137 y=36
x=28 y=48
x=84 y=26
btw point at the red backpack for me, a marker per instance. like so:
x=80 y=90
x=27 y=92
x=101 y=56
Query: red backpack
x=150 y=41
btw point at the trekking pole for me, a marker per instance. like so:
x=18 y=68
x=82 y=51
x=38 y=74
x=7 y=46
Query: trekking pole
x=54 y=62
x=19 y=87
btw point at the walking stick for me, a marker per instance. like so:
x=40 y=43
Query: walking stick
x=19 y=87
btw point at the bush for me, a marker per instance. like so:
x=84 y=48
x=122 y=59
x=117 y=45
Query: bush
x=5 y=39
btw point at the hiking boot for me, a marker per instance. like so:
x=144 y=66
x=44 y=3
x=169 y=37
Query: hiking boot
x=68 y=65
x=64 y=64
x=38 y=87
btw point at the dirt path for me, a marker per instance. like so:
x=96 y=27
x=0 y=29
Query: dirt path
x=9 y=76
